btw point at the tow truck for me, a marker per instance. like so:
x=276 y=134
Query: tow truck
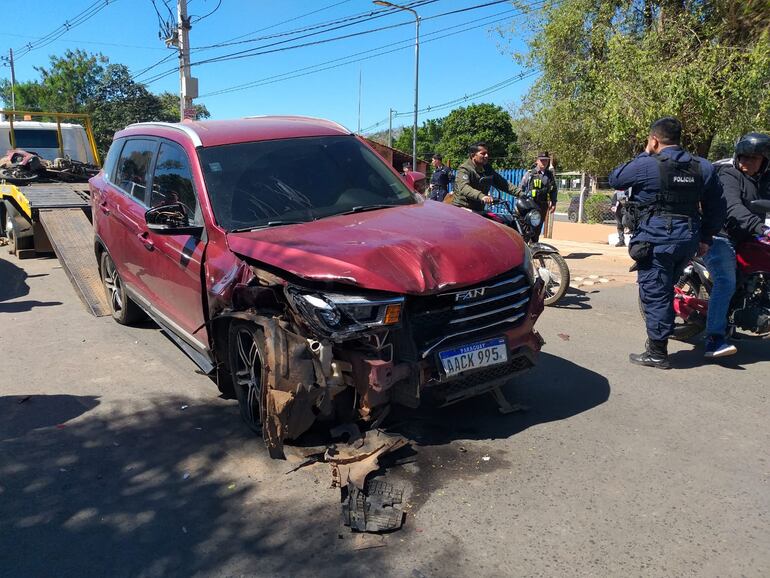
x=46 y=215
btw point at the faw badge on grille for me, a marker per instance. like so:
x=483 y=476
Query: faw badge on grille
x=470 y=294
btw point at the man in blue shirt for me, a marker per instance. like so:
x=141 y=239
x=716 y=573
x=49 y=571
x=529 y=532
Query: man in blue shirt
x=677 y=206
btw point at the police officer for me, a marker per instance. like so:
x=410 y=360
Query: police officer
x=440 y=179
x=678 y=207
x=540 y=184
x=474 y=179
x=745 y=179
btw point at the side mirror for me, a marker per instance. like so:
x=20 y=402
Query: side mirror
x=761 y=205
x=171 y=219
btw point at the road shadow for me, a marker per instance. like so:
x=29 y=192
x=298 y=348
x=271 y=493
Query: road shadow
x=554 y=389
x=24 y=413
x=14 y=281
x=750 y=351
x=574 y=298
x=161 y=492
x=580 y=255
x=14 y=285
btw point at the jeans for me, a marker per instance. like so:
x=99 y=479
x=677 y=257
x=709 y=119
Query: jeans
x=720 y=262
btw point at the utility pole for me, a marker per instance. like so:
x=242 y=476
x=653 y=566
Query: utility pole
x=13 y=79
x=188 y=85
x=390 y=127
x=359 y=102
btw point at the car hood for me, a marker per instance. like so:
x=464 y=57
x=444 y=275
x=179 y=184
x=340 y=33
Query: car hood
x=415 y=249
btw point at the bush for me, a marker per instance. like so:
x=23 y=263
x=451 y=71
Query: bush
x=597 y=208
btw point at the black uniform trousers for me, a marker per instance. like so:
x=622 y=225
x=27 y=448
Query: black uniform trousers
x=656 y=278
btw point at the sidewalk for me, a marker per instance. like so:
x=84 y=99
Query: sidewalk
x=591 y=260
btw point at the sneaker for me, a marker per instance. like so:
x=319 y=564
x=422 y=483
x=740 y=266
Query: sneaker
x=648 y=359
x=620 y=244
x=716 y=346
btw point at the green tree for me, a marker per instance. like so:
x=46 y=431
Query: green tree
x=479 y=122
x=609 y=68
x=170 y=108
x=428 y=137
x=86 y=83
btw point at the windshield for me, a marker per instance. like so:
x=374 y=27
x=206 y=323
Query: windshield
x=259 y=184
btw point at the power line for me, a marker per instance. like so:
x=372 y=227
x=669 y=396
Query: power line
x=227 y=42
x=258 y=50
x=79 y=41
x=198 y=19
x=329 y=25
x=92 y=10
x=483 y=92
x=380 y=51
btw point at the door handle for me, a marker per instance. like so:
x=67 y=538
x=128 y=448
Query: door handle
x=148 y=244
x=103 y=207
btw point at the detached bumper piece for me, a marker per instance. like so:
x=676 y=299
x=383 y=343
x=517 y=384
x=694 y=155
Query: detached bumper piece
x=376 y=509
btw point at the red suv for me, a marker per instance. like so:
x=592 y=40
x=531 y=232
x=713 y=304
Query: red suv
x=297 y=268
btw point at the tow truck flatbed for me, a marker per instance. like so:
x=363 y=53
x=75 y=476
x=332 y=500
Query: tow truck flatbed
x=58 y=216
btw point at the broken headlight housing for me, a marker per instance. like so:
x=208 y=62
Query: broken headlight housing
x=338 y=315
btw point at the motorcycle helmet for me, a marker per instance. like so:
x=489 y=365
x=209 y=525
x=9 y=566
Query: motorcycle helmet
x=753 y=143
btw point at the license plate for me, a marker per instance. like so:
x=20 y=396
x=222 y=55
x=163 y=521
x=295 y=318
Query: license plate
x=474 y=356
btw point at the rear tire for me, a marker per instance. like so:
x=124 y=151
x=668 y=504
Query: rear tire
x=246 y=346
x=559 y=272
x=123 y=310
x=572 y=216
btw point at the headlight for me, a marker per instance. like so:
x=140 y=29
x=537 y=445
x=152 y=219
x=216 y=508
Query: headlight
x=534 y=218
x=339 y=316
x=527 y=266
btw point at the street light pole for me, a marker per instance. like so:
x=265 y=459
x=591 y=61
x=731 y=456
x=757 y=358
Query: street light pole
x=416 y=72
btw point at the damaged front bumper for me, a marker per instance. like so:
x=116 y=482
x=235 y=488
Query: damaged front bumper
x=404 y=353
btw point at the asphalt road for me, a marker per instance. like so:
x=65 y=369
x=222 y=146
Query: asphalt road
x=118 y=459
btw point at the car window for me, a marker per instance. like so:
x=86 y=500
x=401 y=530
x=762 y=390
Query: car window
x=172 y=181
x=112 y=160
x=134 y=164
x=300 y=179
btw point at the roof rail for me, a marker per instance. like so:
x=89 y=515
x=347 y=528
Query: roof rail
x=196 y=140
x=347 y=130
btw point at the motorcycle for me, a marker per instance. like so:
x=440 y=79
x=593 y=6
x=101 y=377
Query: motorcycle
x=525 y=217
x=750 y=306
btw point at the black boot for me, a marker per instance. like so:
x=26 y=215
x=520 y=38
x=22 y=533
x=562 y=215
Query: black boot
x=655 y=355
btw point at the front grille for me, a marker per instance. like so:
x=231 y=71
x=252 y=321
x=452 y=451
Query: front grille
x=438 y=319
x=477 y=382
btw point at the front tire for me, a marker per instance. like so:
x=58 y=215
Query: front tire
x=558 y=271
x=246 y=346
x=123 y=309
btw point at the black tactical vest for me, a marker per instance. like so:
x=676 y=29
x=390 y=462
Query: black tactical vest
x=538 y=185
x=681 y=188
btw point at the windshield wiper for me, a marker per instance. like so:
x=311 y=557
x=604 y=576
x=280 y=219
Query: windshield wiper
x=364 y=208
x=266 y=225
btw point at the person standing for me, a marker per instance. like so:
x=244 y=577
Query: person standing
x=742 y=182
x=440 y=179
x=676 y=207
x=617 y=202
x=475 y=178
x=540 y=184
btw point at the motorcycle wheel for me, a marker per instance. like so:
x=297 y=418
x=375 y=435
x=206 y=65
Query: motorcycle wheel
x=559 y=275
x=695 y=324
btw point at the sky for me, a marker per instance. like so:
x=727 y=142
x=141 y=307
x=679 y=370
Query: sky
x=461 y=54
